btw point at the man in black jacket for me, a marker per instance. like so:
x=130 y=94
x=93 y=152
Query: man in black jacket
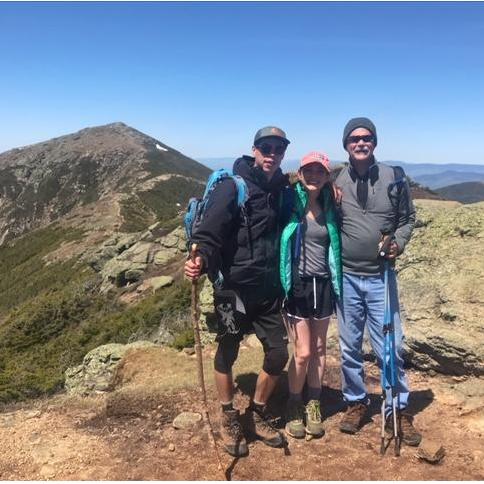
x=243 y=245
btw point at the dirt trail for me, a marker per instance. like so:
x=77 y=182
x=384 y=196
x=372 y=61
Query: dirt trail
x=128 y=434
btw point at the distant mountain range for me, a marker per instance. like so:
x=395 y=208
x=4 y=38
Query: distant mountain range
x=429 y=175
x=440 y=175
x=468 y=192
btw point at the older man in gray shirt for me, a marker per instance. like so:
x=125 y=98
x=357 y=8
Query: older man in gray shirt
x=372 y=205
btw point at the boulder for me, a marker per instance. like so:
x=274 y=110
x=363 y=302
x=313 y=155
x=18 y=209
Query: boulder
x=175 y=240
x=159 y=282
x=139 y=252
x=120 y=272
x=114 y=268
x=103 y=255
x=97 y=371
x=164 y=255
x=125 y=242
x=441 y=275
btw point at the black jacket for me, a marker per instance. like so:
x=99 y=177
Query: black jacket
x=245 y=250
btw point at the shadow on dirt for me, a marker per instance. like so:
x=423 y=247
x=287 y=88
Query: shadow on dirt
x=418 y=401
x=332 y=401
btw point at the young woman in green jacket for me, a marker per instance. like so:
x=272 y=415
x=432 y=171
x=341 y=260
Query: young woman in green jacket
x=310 y=269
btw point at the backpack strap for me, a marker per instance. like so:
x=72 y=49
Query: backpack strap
x=400 y=182
x=242 y=190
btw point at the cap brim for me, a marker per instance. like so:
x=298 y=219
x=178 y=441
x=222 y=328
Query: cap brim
x=272 y=136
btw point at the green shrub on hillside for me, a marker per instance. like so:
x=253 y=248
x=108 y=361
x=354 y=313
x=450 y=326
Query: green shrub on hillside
x=185 y=339
x=26 y=273
x=159 y=204
x=136 y=216
x=162 y=162
x=44 y=336
x=164 y=196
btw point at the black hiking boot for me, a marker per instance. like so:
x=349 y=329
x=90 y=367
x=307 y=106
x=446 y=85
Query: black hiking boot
x=353 y=418
x=263 y=427
x=232 y=435
x=409 y=434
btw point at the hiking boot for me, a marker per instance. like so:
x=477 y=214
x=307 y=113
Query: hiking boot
x=232 y=436
x=314 y=424
x=408 y=432
x=262 y=426
x=294 y=419
x=353 y=418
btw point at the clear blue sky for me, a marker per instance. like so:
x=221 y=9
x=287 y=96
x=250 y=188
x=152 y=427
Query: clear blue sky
x=203 y=77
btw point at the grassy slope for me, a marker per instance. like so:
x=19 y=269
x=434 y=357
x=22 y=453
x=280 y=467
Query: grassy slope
x=52 y=315
x=159 y=203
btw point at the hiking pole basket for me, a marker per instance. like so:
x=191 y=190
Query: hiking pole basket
x=198 y=349
x=388 y=370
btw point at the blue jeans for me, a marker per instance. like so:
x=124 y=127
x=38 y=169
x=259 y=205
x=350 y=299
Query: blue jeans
x=363 y=303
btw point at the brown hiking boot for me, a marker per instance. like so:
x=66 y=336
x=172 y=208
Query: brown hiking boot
x=232 y=436
x=262 y=426
x=408 y=432
x=353 y=418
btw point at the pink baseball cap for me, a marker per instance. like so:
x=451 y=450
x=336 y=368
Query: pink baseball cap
x=315 y=157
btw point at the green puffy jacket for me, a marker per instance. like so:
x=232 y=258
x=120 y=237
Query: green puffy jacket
x=334 y=253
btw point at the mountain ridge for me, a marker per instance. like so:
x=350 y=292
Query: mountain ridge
x=466 y=192
x=45 y=181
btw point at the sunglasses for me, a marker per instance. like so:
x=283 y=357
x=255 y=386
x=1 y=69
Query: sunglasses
x=367 y=138
x=267 y=149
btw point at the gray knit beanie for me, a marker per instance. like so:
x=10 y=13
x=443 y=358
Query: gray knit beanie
x=354 y=123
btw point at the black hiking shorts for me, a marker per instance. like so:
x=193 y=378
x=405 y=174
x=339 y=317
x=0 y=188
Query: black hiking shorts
x=243 y=312
x=310 y=298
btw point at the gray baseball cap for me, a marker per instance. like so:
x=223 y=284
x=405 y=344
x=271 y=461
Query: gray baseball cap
x=270 y=131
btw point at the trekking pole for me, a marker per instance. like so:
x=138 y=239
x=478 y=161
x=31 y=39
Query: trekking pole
x=388 y=370
x=198 y=349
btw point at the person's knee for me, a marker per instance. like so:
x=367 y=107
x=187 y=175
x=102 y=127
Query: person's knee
x=226 y=355
x=275 y=360
x=302 y=356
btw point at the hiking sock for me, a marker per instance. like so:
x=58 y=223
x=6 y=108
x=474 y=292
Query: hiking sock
x=227 y=406
x=295 y=397
x=314 y=393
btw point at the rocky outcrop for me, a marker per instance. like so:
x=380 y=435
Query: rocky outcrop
x=97 y=371
x=125 y=258
x=441 y=278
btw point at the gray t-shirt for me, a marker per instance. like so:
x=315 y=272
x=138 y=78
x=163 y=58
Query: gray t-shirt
x=314 y=246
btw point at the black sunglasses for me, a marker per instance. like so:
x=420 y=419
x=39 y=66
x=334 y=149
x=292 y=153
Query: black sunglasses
x=367 y=138
x=267 y=149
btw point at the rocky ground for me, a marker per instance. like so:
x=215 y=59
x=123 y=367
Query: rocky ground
x=128 y=433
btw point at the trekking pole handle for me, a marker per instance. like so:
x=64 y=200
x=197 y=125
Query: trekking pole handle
x=385 y=247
